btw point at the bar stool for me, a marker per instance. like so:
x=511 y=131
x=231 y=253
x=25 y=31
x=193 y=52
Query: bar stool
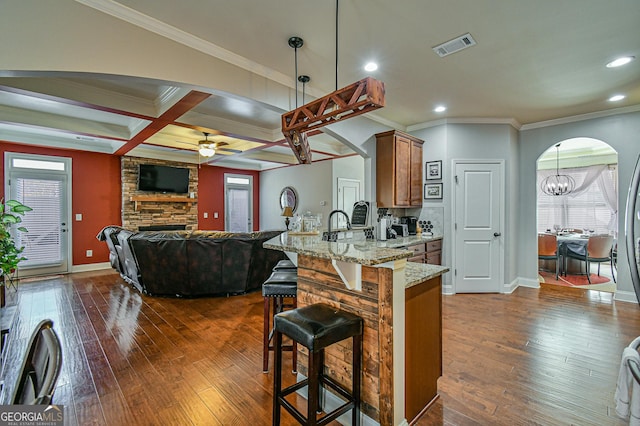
x=285 y=264
x=280 y=285
x=317 y=327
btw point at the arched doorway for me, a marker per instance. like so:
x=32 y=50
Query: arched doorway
x=586 y=216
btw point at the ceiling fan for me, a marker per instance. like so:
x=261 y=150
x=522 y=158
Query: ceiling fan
x=207 y=148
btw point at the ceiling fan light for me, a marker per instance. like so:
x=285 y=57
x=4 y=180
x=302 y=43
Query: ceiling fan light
x=206 y=150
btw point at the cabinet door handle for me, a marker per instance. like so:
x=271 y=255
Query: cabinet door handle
x=496 y=234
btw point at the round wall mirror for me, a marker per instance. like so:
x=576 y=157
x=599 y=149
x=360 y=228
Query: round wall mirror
x=288 y=197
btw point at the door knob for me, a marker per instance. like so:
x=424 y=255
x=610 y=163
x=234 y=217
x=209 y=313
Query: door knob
x=496 y=234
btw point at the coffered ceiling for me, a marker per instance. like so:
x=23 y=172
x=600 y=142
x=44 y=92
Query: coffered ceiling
x=533 y=61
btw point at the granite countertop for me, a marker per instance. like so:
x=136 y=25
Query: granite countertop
x=415 y=273
x=365 y=252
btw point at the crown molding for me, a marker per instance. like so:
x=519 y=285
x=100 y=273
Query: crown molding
x=471 y=120
x=582 y=117
x=153 y=25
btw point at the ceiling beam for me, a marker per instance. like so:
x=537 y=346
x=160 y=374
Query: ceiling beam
x=184 y=105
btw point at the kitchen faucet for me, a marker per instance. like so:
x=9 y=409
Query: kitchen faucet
x=331 y=215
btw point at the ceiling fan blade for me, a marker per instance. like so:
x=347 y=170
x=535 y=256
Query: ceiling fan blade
x=235 y=151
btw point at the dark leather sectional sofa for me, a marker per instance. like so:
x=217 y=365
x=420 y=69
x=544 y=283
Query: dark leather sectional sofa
x=191 y=263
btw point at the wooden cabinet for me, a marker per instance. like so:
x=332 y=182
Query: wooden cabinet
x=427 y=252
x=398 y=170
x=434 y=252
x=423 y=345
x=418 y=253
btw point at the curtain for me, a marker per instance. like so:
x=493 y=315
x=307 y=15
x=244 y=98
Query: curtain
x=593 y=204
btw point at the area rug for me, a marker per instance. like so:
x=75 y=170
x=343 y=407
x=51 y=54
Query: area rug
x=598 y=282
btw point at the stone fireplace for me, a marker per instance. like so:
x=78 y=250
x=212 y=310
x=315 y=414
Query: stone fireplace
x=159 y=211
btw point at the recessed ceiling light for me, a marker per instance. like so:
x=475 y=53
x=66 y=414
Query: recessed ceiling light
x=616 y=98
x=371 y=66
x=440 y=108
x=624 y=60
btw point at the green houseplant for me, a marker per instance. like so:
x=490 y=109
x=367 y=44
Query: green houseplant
x=11 y=213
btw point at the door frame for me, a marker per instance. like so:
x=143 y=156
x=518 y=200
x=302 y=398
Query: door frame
x=340 y=183
x=238 y=186
x=502 y=241
x=8 y=157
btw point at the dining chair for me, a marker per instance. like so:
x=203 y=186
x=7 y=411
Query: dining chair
x=599 y=249
x=548 y=249
x=40 y=367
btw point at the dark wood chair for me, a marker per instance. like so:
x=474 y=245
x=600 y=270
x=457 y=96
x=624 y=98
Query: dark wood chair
x=548 y=249
x=40 y=368
x=599 y=249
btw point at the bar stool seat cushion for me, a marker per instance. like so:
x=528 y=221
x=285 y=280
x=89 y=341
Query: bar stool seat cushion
x=318 y=326
x=282 y=283
x=284 y=264
x=280 y=290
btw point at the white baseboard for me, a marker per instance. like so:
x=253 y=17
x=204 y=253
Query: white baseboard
x=91 y=267
x=625 y=296
x=510 y=287
x=527 y=282
x=448 y=289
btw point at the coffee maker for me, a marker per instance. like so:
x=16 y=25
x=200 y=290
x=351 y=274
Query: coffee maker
x=411 y=222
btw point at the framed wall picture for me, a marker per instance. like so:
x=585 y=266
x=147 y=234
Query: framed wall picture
x=433 y=170
x=433 y=191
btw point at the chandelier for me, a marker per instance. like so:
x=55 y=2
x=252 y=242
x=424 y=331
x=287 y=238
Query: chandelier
x=558 y=184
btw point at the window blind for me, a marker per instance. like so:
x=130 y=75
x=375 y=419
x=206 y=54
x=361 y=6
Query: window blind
x=43 y=242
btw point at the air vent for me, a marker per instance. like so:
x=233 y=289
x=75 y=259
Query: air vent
x=455 y=45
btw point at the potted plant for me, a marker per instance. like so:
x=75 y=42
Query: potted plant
x=10 y=255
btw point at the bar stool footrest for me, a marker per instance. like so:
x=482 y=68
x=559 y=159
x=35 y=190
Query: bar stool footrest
x=321 y=421
x=329 y=417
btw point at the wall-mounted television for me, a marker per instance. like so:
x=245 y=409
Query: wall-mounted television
x=152 y=177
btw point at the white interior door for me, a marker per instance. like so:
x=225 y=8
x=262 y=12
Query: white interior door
x=478 y=215
x=348 y=195
x=41 y=183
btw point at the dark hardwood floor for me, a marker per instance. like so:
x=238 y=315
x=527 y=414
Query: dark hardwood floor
x=544 y=357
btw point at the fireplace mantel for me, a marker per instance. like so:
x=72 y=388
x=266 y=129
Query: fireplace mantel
x=139 y=199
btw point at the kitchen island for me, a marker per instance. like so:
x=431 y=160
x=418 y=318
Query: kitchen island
x=400 y=303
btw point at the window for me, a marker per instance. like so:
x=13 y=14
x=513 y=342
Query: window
x=592 y=206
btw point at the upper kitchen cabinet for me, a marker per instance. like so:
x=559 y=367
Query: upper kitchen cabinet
x=398 y=170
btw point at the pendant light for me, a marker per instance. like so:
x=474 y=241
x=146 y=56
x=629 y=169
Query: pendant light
x=558 y=184
x=355 y=99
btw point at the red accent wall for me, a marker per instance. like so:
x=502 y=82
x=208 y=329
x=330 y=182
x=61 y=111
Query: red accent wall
x=211 y=196
x=96 y=194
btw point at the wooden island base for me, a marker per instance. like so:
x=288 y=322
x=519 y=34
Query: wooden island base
x=318 y=282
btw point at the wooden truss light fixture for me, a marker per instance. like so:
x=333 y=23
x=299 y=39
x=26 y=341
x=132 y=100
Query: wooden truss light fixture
x=357 y=98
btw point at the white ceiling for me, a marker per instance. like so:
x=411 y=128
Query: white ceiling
x=534 y=61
